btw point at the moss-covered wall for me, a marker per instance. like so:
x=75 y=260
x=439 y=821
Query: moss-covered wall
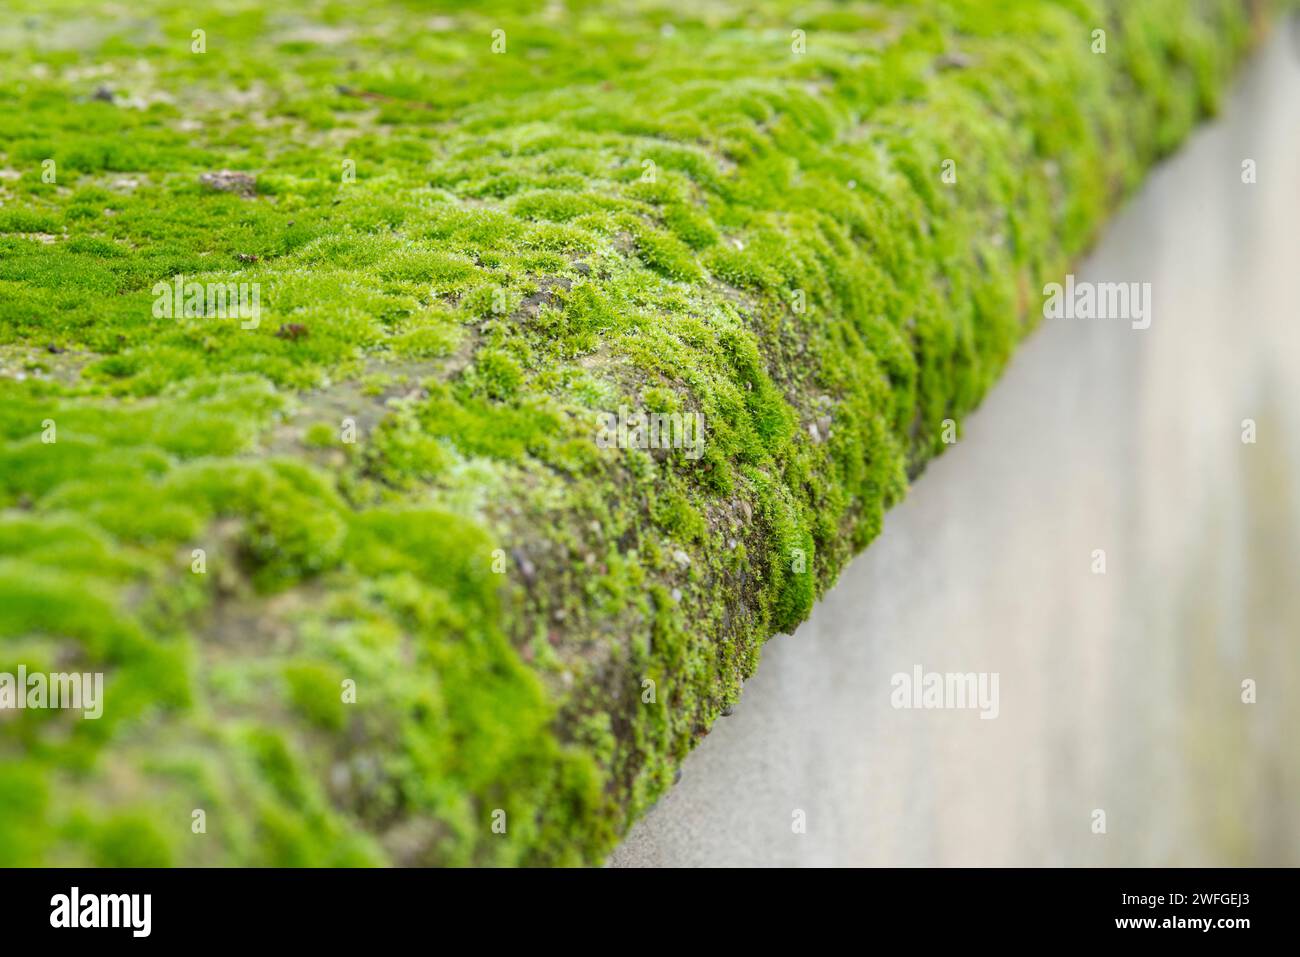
x=359 y=574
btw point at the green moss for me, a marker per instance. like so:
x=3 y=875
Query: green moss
x=317 y=691
x=127 y=840
x=390 y=483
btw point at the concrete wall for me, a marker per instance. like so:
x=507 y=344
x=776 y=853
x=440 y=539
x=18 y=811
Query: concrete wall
x=1119 y=691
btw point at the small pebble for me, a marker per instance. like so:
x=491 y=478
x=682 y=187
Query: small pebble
x=526 y=567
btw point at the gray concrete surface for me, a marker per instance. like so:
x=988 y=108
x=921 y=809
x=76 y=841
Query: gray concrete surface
x=1118 y=691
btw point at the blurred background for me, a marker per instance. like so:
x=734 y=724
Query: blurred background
x=1119 y=692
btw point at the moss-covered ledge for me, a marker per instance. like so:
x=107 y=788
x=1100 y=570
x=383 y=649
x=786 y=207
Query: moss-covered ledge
x=367 y=579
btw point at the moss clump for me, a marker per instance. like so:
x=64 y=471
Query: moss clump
x=364 y=584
